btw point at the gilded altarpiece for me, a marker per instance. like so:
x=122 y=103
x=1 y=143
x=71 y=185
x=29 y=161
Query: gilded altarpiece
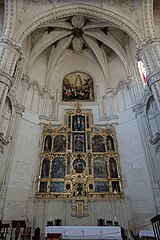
x=79 y=160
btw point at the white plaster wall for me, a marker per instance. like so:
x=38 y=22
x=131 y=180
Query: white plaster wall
x=136 y=180
x=156 y=13
x=39 y=69
x=116 y=70
x=24 y=164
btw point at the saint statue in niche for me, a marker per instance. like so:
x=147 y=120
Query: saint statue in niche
x=78 y=123
x=78 y=141
x=48 y=143
x=79 y=165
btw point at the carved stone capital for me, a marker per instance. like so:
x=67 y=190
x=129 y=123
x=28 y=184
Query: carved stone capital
x=10 y=42
x=25 y=80
x=5 y=78
x=153 y=77
x=146 y=43
x=2 y=139
x=19 y=109
x=137 y=109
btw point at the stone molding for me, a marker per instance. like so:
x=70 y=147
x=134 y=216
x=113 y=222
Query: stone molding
x=66 y=11
x=5 y=78
x=148 y=17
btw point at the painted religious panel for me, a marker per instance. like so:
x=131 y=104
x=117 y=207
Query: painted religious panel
x=100 y=168
x=110 y=143
x=98 y=144
x=113 y=168
x=59 y=143
x=48 y=143
x=101 y=186
x=78 y=86
x=58 y=167
x=115 y=186
x=57 y=187
x=45 y=168
x=43 y=187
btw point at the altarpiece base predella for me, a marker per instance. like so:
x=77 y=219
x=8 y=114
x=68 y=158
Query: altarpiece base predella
x=79 y=160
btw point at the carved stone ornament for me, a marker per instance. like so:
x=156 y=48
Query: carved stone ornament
x=155 y=139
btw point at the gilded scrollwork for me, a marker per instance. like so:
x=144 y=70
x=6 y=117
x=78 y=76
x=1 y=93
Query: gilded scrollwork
x=79 y=162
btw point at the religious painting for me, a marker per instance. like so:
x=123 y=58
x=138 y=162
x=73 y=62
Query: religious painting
x=110 y=143
x=79 y=143
x=113 y=168
x=98 y=144
x=78 y=123
x=43 y=187
x=79 y=165
x=59 y=143
x=57 y=187
x=58 y=168
x=45 y=168
x=101 y=187
x=100 y=168
x=48 y=143
x=78 y=86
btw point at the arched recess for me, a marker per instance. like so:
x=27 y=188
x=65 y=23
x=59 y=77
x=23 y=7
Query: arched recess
x=104 y=15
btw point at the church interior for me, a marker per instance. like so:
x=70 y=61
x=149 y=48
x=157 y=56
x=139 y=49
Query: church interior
x=79 y=119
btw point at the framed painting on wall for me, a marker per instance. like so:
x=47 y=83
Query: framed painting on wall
x=78 y=86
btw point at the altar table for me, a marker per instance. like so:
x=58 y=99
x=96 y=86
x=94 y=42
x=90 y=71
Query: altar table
x=86 y=232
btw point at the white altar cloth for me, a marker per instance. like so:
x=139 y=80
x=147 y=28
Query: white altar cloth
x=86 y=232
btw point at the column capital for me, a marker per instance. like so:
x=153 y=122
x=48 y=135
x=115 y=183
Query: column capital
x=19 y=109
x=146 y=43
x=138 y=108
x=10 y=42
x=5 y=78
x=153 y=77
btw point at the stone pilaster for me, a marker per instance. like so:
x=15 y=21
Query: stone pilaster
x=138 y=110
x=149 y=54
x=19 y=109
x=10 y=54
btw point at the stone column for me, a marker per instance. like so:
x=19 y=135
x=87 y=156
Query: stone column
x=149 y=53
x=19 y=111
x=10 y=54
x=138 y=109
